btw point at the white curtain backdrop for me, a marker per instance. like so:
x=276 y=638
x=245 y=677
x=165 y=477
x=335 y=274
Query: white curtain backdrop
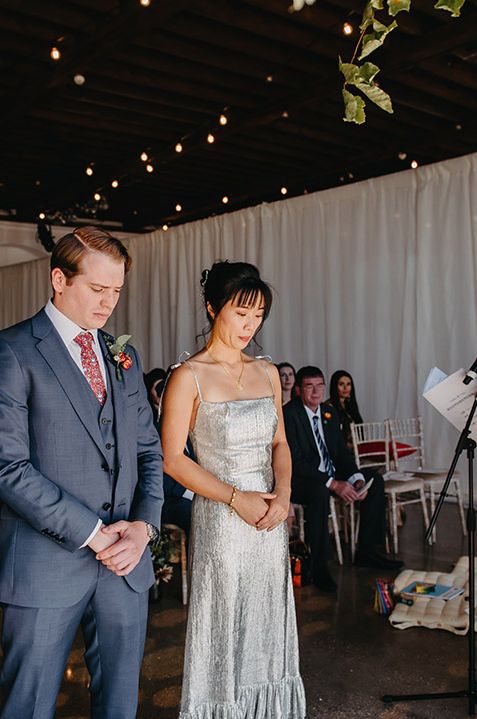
x=378 y=278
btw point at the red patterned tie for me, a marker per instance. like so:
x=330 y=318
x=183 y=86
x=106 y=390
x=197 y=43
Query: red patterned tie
x=91 y=367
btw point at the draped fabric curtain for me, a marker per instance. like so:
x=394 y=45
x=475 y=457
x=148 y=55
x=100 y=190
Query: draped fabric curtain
x=378 y=278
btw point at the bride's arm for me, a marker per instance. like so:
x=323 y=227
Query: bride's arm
x=177 y=410
x=281 y=464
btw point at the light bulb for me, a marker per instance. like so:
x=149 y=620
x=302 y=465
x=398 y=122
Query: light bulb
x=42 y=216
x=210 y=138
x=97 y=196
x=115 y=184
x=178 y=207
x=79 y=80
x=414 y=164
x=223 y=119
x=55 y=54
x=89 y=171
x=283 y=190
x=225 y=199
x=149 y=168
x=347 y=28
x=145 y=3
x=269 y=78
x=165 y=227
x=402 y=155
x=144 y=156
x=179 y=147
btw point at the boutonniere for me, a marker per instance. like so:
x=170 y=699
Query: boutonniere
x=116 y=349
x=327 y=416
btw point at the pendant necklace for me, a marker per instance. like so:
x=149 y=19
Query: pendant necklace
x=238 y=381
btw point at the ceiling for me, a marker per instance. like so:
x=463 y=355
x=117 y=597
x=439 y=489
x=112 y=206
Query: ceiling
x=163 y=74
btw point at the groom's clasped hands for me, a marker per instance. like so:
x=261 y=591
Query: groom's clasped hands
x=120 y=546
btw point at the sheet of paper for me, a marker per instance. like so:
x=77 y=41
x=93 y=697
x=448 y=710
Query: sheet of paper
x=454 y=399
x=435 y=377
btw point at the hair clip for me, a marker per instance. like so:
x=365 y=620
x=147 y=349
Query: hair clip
x=203 y=279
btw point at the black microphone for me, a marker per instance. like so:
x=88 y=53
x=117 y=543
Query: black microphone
x=471 y=373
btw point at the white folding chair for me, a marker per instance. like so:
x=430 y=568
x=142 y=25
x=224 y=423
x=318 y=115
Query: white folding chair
x=407 y=449
x=371 y=444
x=300 y=524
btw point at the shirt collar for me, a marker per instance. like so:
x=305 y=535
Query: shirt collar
x=312 y=414
x=66 y=328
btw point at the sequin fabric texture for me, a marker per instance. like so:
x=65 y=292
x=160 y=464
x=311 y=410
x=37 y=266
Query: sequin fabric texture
x=241 y=656
x=91 y=368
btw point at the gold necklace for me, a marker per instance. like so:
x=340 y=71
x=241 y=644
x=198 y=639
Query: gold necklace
x=238 y=381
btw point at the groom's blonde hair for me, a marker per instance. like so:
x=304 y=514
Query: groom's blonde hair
x=71 y=248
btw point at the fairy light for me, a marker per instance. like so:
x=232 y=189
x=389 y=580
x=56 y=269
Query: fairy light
x=347 y=28
x=210 y=138
x=79 y=79
x=285 y=114
x=223 y=119
x=97 y=196
x=165 y=227
x=178 y=207
x=89 y=170
x=115 y=184
x=55 y=54
x=283 y=190
x=149 y=167
x=145 y=3
x=225 y=199
x=414 y=164
x=402 y=155
x=179 y=147
x=269 y=78
x=144 y=157
x=42 y=216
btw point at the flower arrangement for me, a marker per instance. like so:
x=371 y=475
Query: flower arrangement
x=163 y=555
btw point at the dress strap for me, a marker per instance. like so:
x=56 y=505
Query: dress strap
x=268 y=359
x=186 y=362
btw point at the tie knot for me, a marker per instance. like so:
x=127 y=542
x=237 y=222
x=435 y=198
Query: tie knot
x=84 y=339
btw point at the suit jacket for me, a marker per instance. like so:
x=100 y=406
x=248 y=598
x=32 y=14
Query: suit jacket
x=305 y=455
x=55 y=476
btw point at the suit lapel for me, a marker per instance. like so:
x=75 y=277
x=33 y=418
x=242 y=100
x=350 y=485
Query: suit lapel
x=305 y=423
x=69 y=376
x=118 y=396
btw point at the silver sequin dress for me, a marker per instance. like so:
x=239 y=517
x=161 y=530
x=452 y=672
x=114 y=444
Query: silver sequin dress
x=241 y=654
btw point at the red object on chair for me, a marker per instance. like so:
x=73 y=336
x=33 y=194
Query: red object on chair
x=376 y=450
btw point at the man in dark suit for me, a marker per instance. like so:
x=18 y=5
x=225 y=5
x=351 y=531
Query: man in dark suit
x=321 y=464
x=80 y=490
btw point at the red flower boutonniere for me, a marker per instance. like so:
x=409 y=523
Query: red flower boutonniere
x=116 y=350
x=327 y=416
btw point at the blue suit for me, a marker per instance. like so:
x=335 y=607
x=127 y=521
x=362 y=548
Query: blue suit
x=64 y=462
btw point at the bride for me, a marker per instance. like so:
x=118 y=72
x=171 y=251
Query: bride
x=241 y=655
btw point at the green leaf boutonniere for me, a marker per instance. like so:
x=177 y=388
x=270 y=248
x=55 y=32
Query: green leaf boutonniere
x=116 y=350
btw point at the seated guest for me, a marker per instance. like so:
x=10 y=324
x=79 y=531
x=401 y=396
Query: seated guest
x=343 y=398
x=287 y=380
x=154 y=381
x=321 y=464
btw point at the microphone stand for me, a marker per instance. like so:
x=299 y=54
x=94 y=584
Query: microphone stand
x=471 y=691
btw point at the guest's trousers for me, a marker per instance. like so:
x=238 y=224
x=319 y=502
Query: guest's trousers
x=315 y=497
x=36 y=643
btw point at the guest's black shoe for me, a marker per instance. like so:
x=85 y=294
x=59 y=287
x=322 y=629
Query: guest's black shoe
x=323 y=580
x=377 y=560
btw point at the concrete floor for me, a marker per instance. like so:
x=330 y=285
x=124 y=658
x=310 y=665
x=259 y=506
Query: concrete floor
x=350 y=656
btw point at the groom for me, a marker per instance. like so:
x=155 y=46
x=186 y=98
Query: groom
x=80 y=490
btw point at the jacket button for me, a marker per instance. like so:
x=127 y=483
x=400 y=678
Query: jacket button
x=109 y=445
x=104 y=421
x=105 y=468
x=106 y=506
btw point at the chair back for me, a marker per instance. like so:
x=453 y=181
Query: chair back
x=407 y=443
x=371 y=444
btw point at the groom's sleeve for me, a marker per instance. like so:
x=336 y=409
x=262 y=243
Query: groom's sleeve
x=47 y=507
x=149 y=493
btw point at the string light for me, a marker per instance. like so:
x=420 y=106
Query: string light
x=144 y=157
x=97 y=196
x=347 y=28
x=283 y=190
x=79 y=80
x=55 y=54
x=145 y=3
x=223 y=119
x=458 y=126
x=225 y=199
x=42 y=216
x=179 y=147
x=149 y=168
x=89 y=170
x=414 y=164
x=115 y=184
x=178 y=207
x=269 y=78
x=210 y=138
x=402 y=155
x=165 y=227
x=285 y=114
x=350 y=175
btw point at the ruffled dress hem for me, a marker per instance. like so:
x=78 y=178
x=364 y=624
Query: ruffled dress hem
x=284 y=699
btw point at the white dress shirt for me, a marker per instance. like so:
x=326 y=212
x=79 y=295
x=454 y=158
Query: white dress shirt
x=354 y=477
x=68 y=330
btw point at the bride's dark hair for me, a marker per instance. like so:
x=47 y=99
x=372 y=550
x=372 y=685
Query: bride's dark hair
x=236 y=281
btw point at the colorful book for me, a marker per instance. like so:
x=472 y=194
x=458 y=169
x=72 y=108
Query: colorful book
x=431 y=591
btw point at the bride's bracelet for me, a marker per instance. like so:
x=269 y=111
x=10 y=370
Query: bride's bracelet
x=232 y=500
